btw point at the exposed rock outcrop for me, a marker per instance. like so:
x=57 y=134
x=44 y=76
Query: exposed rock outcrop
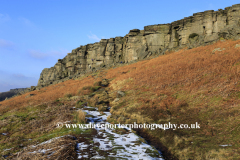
x=199 y=29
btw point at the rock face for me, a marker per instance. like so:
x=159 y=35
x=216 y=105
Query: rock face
x=199 y=29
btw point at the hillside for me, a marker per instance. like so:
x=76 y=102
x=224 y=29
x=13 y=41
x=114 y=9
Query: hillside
x=197 y=30
x=181 y=87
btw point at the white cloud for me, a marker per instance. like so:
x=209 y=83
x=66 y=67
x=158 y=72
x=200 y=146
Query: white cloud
x=6 y=44
x=93 y=37
x=37 y=54
x=53 y=53
x=4 y=18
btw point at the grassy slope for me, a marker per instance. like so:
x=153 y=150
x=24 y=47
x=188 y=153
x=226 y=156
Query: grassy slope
x=183 y=87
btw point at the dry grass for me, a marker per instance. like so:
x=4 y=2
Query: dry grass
x=61 y=148
x=187 y=86
x=81 y=116
x=46 y=94
x=185 y=69
x=33 y=124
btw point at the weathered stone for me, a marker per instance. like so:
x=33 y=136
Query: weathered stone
x=116 y=100
x=120 y=94
x=237 y=46
x=199 y=29
x=33 y=88
x=218 y=49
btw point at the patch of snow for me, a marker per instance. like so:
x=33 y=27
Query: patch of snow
x=98 y=157
x=50 y=140
x=126 y=145
x=225 y=145
x=41 y=151
x=8 y=149
x=85 y=156
x=81 y=146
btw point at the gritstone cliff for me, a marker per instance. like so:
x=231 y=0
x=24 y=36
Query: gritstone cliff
x=200 y=29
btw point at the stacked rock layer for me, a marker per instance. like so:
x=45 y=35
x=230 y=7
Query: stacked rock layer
x=200 y=29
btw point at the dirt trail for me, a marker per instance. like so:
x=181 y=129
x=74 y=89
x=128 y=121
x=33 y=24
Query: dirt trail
x=120 y=143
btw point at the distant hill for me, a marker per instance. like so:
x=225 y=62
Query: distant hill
x=11 y=93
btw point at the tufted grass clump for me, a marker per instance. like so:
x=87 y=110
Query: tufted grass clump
x=80 y=116
x=95 y=88
x=68 y=95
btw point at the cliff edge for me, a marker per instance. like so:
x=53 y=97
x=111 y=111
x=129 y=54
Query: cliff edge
x=200 y=29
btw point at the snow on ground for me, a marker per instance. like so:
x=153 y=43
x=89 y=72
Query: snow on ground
x=114 y=144
x=107 y=143
x=225 y=145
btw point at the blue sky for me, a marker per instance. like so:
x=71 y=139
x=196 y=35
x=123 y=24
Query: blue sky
x=35 y=33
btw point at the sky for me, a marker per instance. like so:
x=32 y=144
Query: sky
x=34 y=34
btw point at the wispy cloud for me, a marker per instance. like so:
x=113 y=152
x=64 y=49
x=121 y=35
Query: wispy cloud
x=26 y=22
x=37 y=54
x=93 y=37
x=15 y=80
x=4 y=18
x=42 y=55
x=19 y=76
x=6 y=44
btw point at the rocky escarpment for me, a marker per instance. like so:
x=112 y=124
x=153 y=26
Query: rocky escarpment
x=199 y=29
x=11 y=93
